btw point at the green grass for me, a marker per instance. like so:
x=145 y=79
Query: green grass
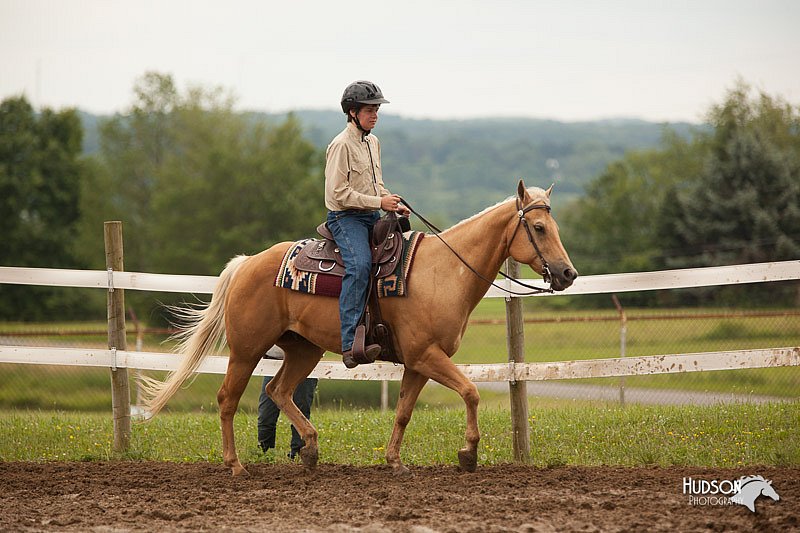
x=575 y=434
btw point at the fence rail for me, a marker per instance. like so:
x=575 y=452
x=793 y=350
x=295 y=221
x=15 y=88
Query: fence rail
x=600 y=284
x=119 y=360
x=497 y=372
x=670 y=279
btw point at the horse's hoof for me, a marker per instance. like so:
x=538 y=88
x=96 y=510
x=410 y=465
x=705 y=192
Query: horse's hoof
x=401 y=471
x=239 y=470
x=468 y=460
x=309 y=457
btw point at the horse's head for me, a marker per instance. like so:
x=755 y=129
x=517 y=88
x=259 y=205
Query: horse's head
x=534 y=239
x=750 y=488
x=768 y=491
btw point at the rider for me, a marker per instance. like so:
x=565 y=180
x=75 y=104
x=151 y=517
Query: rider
x=354 y=192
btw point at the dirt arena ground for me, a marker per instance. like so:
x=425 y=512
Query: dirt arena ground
x=130 y=496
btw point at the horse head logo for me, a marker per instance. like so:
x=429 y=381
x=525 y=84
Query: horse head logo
x=750 y=488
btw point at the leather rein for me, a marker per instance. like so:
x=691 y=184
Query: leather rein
x=521 y=212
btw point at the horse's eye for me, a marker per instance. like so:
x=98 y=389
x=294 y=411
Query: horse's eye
x=539 y=227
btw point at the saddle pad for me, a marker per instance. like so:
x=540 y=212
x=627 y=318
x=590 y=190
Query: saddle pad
x=394 y=284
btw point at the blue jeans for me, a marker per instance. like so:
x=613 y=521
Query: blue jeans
x=351 y=231
x=268 y=414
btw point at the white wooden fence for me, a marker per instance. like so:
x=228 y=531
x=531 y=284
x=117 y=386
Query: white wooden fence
x=611 y=283
x=516 y=372
x=589 y=368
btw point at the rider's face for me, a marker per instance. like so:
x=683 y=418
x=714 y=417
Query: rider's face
x=368 y=116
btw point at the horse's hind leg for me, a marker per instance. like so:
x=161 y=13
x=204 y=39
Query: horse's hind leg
x=436 y=365
x=236 y=379
x=409 y=392
x=301 y=358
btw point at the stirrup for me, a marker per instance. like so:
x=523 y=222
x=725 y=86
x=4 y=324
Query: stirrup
x=360 y=354
x=352 y=359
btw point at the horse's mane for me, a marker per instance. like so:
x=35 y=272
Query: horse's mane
x=536 y=193
x=747 y=479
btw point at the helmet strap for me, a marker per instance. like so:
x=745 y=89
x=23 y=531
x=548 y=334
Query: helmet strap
x=358 y=124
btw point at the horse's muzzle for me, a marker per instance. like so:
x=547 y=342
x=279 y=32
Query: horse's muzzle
x=562 y=276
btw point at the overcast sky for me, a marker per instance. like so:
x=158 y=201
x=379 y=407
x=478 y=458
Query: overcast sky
x=565 y=60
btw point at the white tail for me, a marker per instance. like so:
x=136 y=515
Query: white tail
x=203 y=332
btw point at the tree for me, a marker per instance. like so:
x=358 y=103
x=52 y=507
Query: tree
x=745 y=207
x=614 y=226
x=244 y=189
x=133 y=149
x=40 y=171
x=196 y=182
x=729 y=195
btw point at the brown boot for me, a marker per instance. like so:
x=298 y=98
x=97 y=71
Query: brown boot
x=352 y=358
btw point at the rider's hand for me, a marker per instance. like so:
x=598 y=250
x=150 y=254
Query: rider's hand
x=391 y=202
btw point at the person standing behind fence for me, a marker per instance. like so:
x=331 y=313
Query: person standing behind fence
x=268 y=412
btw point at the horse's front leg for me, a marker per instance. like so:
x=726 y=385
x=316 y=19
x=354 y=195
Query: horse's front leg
x=436 y=365
x=409 y=392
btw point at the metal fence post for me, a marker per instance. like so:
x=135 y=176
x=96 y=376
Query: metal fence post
x=518 y=390
x=120 y=388
x=384 y=395
x=623 y=343
x=136 y=410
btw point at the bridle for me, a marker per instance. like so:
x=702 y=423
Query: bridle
x=521 y=212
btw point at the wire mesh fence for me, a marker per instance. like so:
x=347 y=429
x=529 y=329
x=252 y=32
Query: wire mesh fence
x=643 y=332
x=550 y=335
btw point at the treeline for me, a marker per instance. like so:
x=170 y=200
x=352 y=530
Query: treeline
x=728 y=195
x=451 y=169
x=196 y=183
x=193 y=181
x=41 y=170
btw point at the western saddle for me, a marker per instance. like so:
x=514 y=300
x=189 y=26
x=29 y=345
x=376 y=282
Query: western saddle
x=323 y=256
x=386 y=240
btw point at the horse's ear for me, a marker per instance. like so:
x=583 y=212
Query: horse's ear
x=549 y=190
x=522 y=192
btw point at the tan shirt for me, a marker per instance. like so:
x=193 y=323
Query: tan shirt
x=353 y=177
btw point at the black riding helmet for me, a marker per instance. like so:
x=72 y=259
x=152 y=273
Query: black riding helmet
x=361 y=93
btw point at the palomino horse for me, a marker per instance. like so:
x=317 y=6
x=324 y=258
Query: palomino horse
x=251 y=314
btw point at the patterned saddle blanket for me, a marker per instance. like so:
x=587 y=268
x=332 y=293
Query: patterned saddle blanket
x=312 y=266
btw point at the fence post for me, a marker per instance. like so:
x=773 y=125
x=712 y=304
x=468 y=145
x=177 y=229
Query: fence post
x=137 y=373
x=623 y=343
x=120 y=388
x=518 y=390
x=384 y=395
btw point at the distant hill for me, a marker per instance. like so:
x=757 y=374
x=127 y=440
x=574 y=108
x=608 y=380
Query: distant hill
x=455 y=168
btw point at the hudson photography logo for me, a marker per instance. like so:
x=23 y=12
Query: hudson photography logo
x=742 y=491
